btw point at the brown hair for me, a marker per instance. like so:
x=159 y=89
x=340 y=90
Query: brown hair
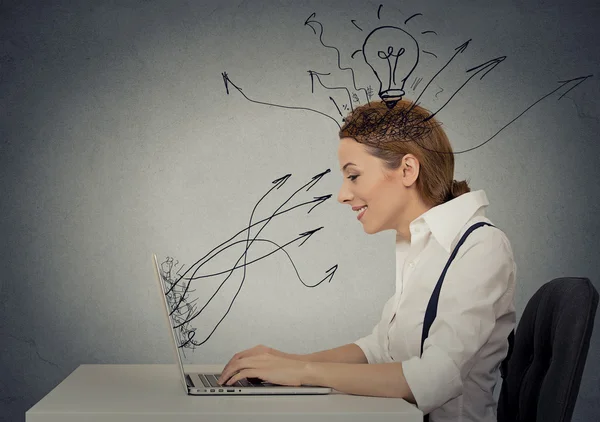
x=407 y=128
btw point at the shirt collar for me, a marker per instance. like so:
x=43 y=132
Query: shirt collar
x=447 y=220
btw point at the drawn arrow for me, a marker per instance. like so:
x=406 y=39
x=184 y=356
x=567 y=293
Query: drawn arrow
x=281 y=181
x=460 y=49
x=318 y=199
x=306 y=235
x=279 y=248
x=317 y=75
x=309 y=23
x=484 y=67
x=334 y=268
x=579 y=80
x=315 y=179
x=278 y=183
x=229 y=82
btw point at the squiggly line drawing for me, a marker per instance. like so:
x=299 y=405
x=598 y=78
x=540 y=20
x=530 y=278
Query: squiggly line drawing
x=183 y=311
x=308 y=22
x=316 y=75
x=393 y=62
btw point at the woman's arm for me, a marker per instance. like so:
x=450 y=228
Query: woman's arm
x=377 y=379
x=349 y=353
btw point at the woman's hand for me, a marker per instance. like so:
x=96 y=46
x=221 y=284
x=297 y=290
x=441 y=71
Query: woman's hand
x=265 y=363
x=255 y=351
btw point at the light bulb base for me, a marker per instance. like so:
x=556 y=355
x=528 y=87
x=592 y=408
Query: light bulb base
x=391 y=97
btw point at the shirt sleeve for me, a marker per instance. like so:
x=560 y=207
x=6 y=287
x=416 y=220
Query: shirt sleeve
x=372 y=344
x=477 y=291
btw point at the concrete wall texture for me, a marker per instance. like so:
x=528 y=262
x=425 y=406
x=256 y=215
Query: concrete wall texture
x=118 y=139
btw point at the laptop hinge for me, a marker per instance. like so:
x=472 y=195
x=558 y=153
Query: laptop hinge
x=188 y=381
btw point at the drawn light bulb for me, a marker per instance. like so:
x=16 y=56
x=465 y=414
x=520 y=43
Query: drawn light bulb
x=392 y=54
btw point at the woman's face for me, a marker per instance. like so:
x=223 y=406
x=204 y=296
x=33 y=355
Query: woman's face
x=367 y=183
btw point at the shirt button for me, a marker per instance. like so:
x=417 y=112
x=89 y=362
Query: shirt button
x=411 y=264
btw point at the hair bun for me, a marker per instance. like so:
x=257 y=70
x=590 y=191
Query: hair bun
x=459 y=188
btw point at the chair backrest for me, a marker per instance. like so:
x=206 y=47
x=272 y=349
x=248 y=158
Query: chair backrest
x=544 y=369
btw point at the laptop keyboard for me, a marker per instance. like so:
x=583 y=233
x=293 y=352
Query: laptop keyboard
x=210 y=380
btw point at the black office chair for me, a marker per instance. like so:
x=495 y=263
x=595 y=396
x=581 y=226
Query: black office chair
x=542 y=373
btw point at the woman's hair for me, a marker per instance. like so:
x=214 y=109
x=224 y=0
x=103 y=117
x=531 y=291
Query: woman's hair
x=407 y=128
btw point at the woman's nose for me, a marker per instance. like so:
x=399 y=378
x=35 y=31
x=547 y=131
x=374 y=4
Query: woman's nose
x=344 y=195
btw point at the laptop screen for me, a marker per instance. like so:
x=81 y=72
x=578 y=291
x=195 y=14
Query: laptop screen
x=162 y=289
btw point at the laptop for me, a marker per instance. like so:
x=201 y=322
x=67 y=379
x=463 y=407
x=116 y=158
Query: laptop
x=203 y=384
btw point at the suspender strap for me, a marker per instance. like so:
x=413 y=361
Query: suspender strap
x=431 y=311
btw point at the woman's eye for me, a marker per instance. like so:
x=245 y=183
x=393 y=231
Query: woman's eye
x=353 y=177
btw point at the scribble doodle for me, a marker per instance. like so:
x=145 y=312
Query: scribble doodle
x=310 y=21
x=178 y=302
x=393 y=55
x=382 y=124
x=178 y=282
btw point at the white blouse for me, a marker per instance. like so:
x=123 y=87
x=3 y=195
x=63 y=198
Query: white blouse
x=455 y=377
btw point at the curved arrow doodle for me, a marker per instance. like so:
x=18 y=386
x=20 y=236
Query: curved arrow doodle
x=183 y=311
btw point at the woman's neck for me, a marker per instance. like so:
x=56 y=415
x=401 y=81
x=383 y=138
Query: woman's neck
x=417 y=208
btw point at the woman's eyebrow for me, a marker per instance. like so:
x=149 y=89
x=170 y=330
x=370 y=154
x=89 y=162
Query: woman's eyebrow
x=346 y=165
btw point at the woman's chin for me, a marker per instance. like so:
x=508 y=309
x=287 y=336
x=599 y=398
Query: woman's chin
x=369 y=230
x=372 y=228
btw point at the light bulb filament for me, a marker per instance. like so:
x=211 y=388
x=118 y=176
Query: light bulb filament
x=390 y=52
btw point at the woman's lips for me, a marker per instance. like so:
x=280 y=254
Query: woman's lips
x=360 y=214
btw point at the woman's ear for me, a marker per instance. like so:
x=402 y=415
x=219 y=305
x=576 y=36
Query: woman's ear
x=410 y=169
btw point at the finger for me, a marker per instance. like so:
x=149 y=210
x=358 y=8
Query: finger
x=225 y=379
x=235 y=366
x=225 y=375
x=247 y=363
x=245 y=373
x=227 y=368
x=248 y=356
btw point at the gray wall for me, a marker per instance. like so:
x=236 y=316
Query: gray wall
x=117 y=139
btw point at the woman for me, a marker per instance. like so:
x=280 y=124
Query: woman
x=398 y=172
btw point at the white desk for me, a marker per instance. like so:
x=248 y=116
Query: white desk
x=149 y=393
